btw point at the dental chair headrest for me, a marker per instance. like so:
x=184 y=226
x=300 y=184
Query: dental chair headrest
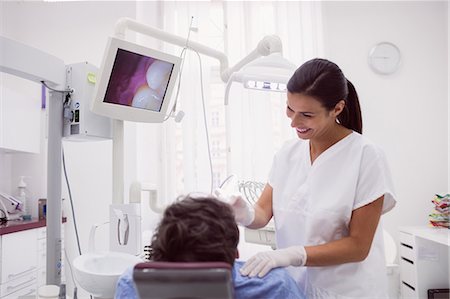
x=212 y=280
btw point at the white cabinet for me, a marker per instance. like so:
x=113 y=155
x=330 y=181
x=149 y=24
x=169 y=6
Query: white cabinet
x=424 y=260
x=18 y=262
x=20 y=114
x=23 y=262
x=42 y=256
x=26 y=291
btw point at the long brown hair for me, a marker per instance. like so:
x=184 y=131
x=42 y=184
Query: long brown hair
x=324 y=80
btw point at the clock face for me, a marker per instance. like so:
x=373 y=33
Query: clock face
x=384 y=58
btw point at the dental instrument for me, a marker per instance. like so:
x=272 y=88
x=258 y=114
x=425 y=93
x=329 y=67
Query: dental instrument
x=10 y=206
x=123 y=227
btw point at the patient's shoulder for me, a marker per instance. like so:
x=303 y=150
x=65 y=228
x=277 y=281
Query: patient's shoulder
x=276 y=284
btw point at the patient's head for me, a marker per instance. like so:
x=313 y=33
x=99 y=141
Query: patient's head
x=196 y=229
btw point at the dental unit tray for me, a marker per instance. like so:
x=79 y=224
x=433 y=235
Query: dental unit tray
x=10 y=203
x=251 y=190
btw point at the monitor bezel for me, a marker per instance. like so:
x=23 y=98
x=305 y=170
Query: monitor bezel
x=123 y=112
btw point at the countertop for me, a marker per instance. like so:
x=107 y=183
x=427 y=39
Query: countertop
x=439 y=235
x=21 y=225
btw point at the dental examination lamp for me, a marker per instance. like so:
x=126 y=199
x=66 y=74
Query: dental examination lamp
x=264 y=68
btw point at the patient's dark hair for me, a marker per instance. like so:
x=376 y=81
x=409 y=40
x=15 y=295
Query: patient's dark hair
x=200 y=229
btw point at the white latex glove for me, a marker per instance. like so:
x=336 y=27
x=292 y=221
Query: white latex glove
x=261 y=263
x=243 y=212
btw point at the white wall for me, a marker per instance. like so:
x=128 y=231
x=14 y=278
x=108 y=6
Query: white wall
x=405 y=113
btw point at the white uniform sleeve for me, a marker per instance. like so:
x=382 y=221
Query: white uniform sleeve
x=374 y=180
x=273 y=172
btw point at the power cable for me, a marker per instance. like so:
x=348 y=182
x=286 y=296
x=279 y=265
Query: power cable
x=205 y=121
x=56 y=90
x=71 y=201
x=74 y=219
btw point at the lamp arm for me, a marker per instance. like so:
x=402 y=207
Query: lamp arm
x=268 y=45
x=126 y=23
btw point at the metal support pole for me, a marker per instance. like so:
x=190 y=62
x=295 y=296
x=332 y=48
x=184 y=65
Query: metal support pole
x=118 y=162
x=54 y=214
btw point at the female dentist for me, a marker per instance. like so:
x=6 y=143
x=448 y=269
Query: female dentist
x=326 y=192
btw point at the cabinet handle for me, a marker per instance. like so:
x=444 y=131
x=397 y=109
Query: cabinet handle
x=407 y=260
x=9 y=288
x=409 y=286
x=32 y=291
x=10 y=276
x=406 y=245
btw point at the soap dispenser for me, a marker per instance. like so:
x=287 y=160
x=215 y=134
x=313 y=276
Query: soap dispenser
x=23 y=197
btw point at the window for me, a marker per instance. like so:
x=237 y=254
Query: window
x=215 y=119
x=256 y=121
x=215 y=148
x=216 y=179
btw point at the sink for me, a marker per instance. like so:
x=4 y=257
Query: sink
x=98 y=272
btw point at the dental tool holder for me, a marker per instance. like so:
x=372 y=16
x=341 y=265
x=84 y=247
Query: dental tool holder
x=251 y=190
x=125 y=228
x=91 y=244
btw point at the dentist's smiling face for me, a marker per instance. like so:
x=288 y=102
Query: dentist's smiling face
x=308 y=117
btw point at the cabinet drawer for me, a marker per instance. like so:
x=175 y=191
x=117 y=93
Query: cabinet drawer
x=42 y=259
x=19 y=283
x=407 y=292
x=407 y=252
x=42 y=233
x=27 y=292
x=41 y=276
x=18 y=255
x=42 y=245
x=408 y=273
x=406 y=239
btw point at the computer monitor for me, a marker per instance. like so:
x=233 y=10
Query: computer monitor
x=135 y=82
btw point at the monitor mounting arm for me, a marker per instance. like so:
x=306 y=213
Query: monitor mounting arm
x=266 y=46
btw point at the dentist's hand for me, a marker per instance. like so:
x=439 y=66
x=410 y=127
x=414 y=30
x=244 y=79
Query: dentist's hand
x=243 y=212
x=261 y=263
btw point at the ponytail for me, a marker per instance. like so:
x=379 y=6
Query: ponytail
x=351 y=117
x=324 y=80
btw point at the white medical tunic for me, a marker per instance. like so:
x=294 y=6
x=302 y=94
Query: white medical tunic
x=313 y=205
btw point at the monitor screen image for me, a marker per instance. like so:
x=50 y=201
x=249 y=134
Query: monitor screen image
x=138 y=81
x=135 y=82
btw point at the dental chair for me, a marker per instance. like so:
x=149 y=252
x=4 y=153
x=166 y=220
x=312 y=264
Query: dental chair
x=169 y=280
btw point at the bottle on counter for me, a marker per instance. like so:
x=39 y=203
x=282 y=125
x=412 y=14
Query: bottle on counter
x=23 y=197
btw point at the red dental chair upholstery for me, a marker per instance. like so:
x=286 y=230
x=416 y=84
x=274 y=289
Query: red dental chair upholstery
x=169 y=280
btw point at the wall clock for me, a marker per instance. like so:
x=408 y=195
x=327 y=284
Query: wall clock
x=384 y=58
